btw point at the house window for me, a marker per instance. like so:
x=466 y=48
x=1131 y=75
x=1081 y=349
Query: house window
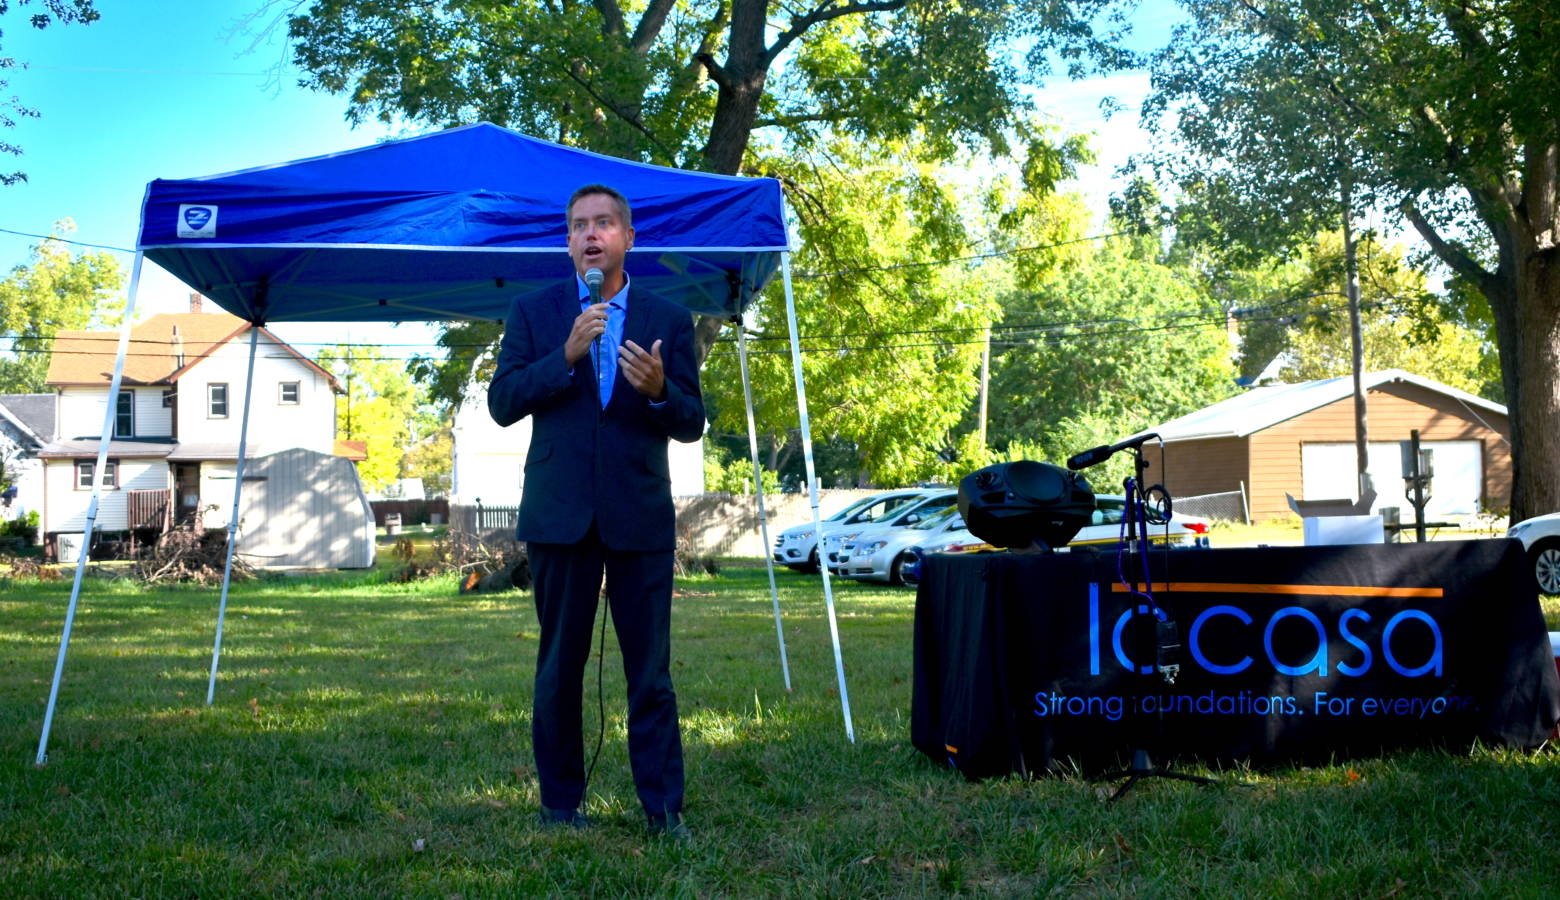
x=168 y=396
x=124 y=415
x=84 y=474
x=289 y=393
x=216 y=397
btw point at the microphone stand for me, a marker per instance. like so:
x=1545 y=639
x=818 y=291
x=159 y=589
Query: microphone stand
x=1151 y=638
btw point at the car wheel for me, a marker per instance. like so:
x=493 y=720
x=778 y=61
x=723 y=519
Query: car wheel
x=812 y=562
x=1545 y=557
x=896 y=569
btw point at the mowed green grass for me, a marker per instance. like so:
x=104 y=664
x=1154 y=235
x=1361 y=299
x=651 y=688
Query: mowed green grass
x=372 y=740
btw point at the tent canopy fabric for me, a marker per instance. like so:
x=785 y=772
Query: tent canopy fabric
x=452 y=225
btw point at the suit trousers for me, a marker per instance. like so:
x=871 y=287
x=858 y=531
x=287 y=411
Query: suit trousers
x=568 y=581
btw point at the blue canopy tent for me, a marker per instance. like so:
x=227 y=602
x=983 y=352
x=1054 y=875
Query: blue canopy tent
x=451 y=225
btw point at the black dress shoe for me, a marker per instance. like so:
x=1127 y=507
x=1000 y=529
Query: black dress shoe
x=670 y=826
x=561 y=818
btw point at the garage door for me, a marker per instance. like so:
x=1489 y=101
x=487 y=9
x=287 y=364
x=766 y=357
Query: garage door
x=1328 y=471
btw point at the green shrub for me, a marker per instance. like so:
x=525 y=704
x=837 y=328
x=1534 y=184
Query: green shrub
x=24 y=527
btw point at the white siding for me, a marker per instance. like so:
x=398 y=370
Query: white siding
x=151 y=419
x=67 y=507
x=310 y=423
x=490 y=461
x=81 y=412
x=216 y=493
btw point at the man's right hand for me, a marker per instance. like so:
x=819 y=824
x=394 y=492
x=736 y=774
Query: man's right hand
x=588 y=326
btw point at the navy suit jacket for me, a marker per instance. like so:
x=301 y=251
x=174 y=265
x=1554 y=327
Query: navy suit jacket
x=586 y=462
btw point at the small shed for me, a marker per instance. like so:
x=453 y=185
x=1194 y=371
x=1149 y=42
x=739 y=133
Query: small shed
x=304 y=509
x=1299 y=439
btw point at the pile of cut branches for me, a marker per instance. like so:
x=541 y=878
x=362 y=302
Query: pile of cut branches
x=29 y=567
x=189 y=556
x=490 y=562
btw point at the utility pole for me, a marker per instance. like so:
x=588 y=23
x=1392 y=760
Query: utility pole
x=985 y=385
x=1357 y=340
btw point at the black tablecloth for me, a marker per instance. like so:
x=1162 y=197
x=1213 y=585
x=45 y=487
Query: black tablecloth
x=1289 y=654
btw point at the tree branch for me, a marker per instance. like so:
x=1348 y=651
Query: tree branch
x=825 y=11
x=650 y=25
x=800 y=119
x=1460 y=262
x=611 y=16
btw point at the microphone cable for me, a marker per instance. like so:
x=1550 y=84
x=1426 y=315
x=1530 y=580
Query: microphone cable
x=602 y=597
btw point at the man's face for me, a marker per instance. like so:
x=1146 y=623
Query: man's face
x=598 y=239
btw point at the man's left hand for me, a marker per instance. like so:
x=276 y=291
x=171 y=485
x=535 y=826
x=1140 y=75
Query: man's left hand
x=643 y=370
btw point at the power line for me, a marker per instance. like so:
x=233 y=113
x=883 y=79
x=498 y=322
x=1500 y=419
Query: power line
x=55 y=237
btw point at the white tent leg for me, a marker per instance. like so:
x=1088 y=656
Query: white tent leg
x=812 y=488
x=238 y=491
x=111 y=407
x=758 y=491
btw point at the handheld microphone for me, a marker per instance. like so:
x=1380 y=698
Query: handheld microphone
x=593 y=279
x=1099 y=454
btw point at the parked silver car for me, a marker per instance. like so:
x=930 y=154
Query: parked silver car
x=932 y=500
x=883 y=555
x=797 y=546
x=1102 y=533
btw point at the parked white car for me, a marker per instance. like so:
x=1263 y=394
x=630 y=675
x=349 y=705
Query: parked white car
x=1540 y=535
x=1102 y=533
x=797 y=546
x=932 y=500
x=882 y=556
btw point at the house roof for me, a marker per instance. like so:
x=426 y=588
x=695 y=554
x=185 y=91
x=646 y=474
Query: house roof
x=32 y=413
x=84 y=449
x=1264 y=407
x=357 y=451
x=154 y=356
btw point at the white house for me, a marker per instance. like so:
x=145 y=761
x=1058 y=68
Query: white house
x=177 y=418
x=26 y=425
x=489 y=460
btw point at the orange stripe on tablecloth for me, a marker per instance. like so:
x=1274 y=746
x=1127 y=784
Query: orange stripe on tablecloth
x=1337 y=590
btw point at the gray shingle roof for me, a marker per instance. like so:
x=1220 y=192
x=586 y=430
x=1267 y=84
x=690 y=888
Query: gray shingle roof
x=1264 y=407
x=34 y=411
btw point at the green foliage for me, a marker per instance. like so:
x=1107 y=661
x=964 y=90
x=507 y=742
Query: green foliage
x=1095 y=352
x=1298 y=112
x=43 y=15
x=24 y=527
x=734 y=475
x=891 y=338
x=391 y=412
x=53 y=291
x=1403 y=325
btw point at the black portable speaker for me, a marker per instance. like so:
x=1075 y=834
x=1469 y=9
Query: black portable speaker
x=1025 y=503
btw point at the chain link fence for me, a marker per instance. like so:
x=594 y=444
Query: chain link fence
x=1227 y=506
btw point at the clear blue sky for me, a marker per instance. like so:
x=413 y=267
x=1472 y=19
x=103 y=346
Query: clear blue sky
x=166 y=90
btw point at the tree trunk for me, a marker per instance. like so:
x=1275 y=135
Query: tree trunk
x=1535 y=443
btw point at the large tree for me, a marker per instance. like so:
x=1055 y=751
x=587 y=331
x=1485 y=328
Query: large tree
x=687 y=83
x=54 y=291
x=1446 y=112
x=41 y=16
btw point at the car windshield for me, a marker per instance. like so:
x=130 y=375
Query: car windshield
x=938 y=519
x=892 y=508
x=861 y=504
x=1108 y=509
x=926 y=506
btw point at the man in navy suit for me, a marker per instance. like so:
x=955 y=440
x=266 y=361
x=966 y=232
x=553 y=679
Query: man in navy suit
x=597 y=498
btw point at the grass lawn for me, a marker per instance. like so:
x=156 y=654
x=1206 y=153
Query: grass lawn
x=372 y=739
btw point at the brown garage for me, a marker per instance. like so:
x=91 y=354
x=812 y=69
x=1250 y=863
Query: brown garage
x=1299 y=439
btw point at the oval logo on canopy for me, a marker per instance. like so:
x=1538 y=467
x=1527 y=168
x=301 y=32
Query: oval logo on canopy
x=197 y=221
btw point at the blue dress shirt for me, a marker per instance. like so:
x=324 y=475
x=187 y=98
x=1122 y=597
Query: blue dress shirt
x=617 y=307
